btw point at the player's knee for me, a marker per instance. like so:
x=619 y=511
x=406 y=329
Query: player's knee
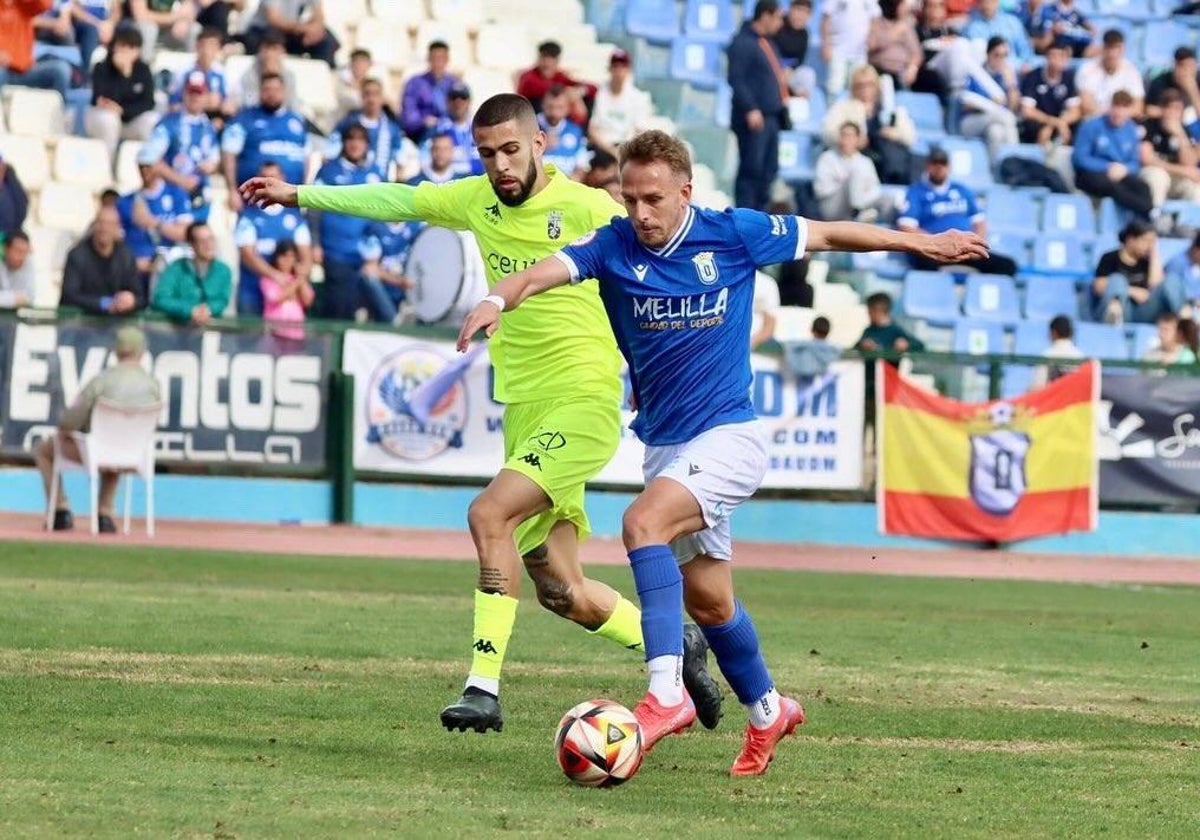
x=640 y=527
x=554 y=594
x=487 y=518
x=709 y=609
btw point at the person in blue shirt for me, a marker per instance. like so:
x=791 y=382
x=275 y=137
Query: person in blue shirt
x=990 y=100
x=1107 y=158
x=988 y=21
x=384 y=249
x=566 y=145
x=386 y=141
x=677 y=283
x=457 y=124
x=268 y=131
x=936 y=204
x=217 y=102
x=1063 y=21
x=156 y=217
x=184 y=145
x=338 y=236
x=256 y=234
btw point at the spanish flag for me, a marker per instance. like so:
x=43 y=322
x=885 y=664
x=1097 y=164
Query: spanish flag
x=998 y=471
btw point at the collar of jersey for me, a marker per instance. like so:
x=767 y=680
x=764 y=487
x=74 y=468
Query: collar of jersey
x=678 y=236
x=943 y=189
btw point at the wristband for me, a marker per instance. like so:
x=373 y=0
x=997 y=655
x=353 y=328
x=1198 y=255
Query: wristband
x=496 y=299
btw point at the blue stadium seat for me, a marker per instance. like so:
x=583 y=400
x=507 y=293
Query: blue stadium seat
x=654 y=20
x=653 y=61
x=1101 y=341
x=991 y=298
x=1062 y=255
x=1032 y=337
x=977 y=337
x=930 y=295
x=724 y=111
x=1013 y=244
x=1015 y=381
x=1143 y=337
x=1169 y=248
x=925 y=109
x=696 y=106
x=1161 y=37
x=1012 y=210
x=1110 y=217
x=886 y=265
x=796 y=156
x=969 y=162
x=710 y=20
x=698 y=62
x=1130 y=9
x=1026 y=151
x=1101 y=245
x=1047 y=297
x=1068 y=213
x=807 y=113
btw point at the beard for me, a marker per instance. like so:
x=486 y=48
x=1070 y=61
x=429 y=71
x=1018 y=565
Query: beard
x=523 y=193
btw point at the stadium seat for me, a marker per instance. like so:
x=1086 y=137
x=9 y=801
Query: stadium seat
x=388 y=42
x=456 y=37
x=885 y=264
x=1062 y=254
x=1015 y=381
x=316 y=81
x=1101 y=341
x=969 y=162
x=978 y=338
x=1012 y=210
x=485 y=83
x=930 y=295
x=35 y=113
x=1170 y=247
x=411 y=14
x=531 y=12
x=925 y=109
x=652 y=61
x=654 y=20
x=1047 y=297
x=1161 y=38
x=698 y=62
x=1013 y=244
x=503 y=46
x=27 y=157
x=1024 y=151
x=69 y=207
x=806 y=113
x=1101 y=245
x=128 y=177
x=696 y=106
x=84 y=161
x=723 y=113
x=1068 y=213
x=585 y=60
x=992 y=298
x=175 y=63
x=795 y=156
x=710 y=20
x=345 y=13
x=1110 y=217
x=1143 y=337
x=715 y=147
x=469 y=13
x=1032 y=337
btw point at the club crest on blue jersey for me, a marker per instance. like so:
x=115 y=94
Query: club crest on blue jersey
x=706 y=267
x=554 y=224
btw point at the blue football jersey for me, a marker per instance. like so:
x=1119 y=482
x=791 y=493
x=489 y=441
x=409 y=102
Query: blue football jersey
x=681 y=314
x=257 y=135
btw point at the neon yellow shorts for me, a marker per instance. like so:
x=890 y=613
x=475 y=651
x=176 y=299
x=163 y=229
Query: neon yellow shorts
x=560 y=445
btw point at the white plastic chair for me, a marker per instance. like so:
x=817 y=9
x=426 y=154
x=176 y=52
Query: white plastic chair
x=120 y=440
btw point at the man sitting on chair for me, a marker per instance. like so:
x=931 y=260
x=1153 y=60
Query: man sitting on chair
x=126 y=385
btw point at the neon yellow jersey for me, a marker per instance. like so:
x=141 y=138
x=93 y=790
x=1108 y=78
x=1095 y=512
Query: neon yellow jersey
x=557 y=344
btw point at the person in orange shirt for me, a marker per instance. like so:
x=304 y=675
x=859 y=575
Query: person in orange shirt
x=16 y=49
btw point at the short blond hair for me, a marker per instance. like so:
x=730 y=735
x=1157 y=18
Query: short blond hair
x=657 y=146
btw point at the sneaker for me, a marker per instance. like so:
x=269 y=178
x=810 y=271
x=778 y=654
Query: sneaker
x=476 y=710
x=759 y=746
x=659 y=721
x=106 y=524
x=63 y=520
x=700 y=685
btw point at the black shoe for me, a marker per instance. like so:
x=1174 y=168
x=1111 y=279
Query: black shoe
x=476 y=710
x=63 y=520
x=107 y=526
x=705 y=692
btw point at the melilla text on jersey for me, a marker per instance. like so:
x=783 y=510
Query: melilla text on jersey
x=677 y=313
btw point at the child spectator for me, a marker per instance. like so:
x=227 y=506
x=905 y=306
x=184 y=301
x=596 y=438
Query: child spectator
x=1062 y=346
x=811 y=358
x=883 y=334
x=286 y=300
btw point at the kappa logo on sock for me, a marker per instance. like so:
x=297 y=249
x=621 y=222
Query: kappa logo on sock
x=485 y=646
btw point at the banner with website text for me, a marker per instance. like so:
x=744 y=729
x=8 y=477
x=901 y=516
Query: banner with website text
x=814 y=429
x=1000 y=471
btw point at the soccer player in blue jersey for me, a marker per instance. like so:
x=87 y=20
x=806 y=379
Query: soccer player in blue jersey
x=678 y=284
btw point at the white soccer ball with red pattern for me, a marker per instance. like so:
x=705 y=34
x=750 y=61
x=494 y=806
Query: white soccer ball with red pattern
x=599 y=744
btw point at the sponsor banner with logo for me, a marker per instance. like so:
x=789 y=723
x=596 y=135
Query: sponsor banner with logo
x=229 y=398
x=814 y=428
x=1149 y=444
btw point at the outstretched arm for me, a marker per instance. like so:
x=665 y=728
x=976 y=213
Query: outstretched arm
x=949 y=247
x=385 y=202
x=509 y=293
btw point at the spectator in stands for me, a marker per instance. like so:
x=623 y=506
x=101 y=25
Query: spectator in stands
x=156 y=217
x=1176 y=342
x=1049 y=101
x=808 y=359
x=257 y=233
x=302 y=23
x=268 y=131
x=54 y=34
x=1181 y=77
x=385 y=251
x=883 y=334
x=1130 y=284
x=349 y=80
x=287 y=296
x=1168 y=157
x=759 y=107
x=845 y=25
x=167 y=22
x=792 y=38
x=1107 y=157
x=122 y=93
x=950 y=59
x=537 y=81
x=14 y=201
x=195 y=289
x=989 y=21
x=185 y=149
x=621 y=108
x=217 y=102
x=990 y=100
x=892 y=45
x=269 y=61
x=765 y=313
x=17 y=279
x=1061 y=21
x=457 y=125
x=386 y=142
x=846 y=185
x=889 y=136
x=109 y=197
x=93 y=22
x=215 y=13
x=604 y=174
x=1100 y=78
x=425 y=98
x=441 y=166
x=1184 y=270
x=17 y=65
x=126 y=385
x=339 y=237
x=1062 y=346
x=937 y=204
x=566 y=147
x=100 y=276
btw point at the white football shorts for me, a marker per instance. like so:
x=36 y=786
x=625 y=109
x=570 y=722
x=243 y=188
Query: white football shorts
x=721 y=468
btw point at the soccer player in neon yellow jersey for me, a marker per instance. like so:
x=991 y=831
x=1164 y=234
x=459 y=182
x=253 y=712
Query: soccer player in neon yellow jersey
x=558 y=372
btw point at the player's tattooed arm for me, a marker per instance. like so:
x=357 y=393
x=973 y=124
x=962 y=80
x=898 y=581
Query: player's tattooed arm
x=493 y=581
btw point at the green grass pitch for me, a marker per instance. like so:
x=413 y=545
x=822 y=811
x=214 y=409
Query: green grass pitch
x=195 y=694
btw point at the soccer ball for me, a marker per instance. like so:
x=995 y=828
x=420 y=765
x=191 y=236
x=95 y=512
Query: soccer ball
x=599 y=744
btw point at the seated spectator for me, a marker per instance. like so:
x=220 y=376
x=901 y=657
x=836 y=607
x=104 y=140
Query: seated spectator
x=385 y=252
x=889 y=136
x=845 y=26
x=1060 y=21
x=566 y=147
x=170 y=23
x=937 y=204
x=387 y=144
x=287 y=296
x=1062 y=346
x=537 y=81
x=989 y=21
x=1168 y=156
x=604 y=174
x=122 y=93
x=268 y=62
x=18 y=281
x=257 y=234
x=1049 y=101
x=425 y=97
x=441 y=166
x=621 y=108
x=765 y=310
x=792 y=40
x=302 y=23
x=14 y=201
x=457 y=125
x=990 y=100
x=268 y=131
x=1182 y=77
x=846 y=185
x=892 y=45
x=184 y=147
x=1130 y=284
x=54 y=35
x=217 y=101
x=93 y=22
x=17 y=64
x=100 y=276
x=195 y=289
x=1176 y=343
x=127 y=385
x=1099 y=79
x=1184 y=269
x=214 y=14
x=349 y=80
x=1107 y=157
x=883 y=334
x=806 y=360
x=156 y=217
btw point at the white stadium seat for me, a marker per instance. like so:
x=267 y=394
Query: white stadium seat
x=793 y=323
x=84 y=161
x=388 y=41
x=409 y=12
x=174 y=63
x=69 y=207
x=49 y=247
x=47 y=288
x=342 y=13
x=470 y=13
x=503 y=46
x=454 y=34
x=485 y=83
x=128 y=177
x=586 y=61
x=314 y=84
x=27 y=157
x=35 y=113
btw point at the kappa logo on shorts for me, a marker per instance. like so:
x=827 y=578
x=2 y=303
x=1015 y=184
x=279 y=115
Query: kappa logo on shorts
x=533 y=461
x=550 y=441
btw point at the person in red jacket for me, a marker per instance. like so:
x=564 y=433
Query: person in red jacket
x=536 y=82
x=17 y=66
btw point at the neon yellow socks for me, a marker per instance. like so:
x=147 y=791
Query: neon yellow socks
x=624 y=626
x=495 y=616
